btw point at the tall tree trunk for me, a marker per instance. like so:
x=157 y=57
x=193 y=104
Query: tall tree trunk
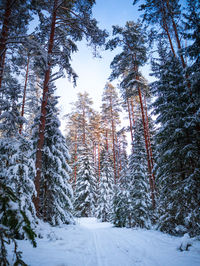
x=75 y=160
x=24 y=95
x=130 y=120
x=99 y=162
x=107 y=139
x=83 y=125
x=113 y=139
x=147 y=149
x=43 y=111
x=176 y=34
x=166 y=28
x=149 y=142
x=118 y=157
x=4 y=37
x=132 y=111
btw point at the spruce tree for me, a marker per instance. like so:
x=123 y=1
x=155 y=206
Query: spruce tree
x=138 y=180
x=86 y=185
x=178 y=180
x=105 y=189
x=120 y=215
x=56 y=192
x=13 y=223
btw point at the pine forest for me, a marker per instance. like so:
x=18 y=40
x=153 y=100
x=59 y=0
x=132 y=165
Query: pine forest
x=135 y=161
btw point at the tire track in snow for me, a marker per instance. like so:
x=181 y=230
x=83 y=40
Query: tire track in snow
x=97 y=249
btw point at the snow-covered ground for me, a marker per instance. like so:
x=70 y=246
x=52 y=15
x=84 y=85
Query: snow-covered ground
x=90 y=243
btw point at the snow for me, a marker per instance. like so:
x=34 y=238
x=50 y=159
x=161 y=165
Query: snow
x=91 y=243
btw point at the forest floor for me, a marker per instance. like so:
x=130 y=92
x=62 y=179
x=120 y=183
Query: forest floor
x=91 y=243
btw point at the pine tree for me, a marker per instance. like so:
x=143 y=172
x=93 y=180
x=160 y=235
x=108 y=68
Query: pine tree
x=69 y=22
x=110 y=114
x=166 y=14
x=55 y=191
x=14 y=18
x=126 y=66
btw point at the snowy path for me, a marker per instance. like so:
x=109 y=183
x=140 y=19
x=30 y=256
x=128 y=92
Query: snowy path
x=90 y=243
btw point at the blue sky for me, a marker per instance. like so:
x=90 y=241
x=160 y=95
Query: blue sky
x=94 y=72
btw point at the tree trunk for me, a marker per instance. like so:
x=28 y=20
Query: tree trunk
x=166 y=28
x=99 y=163
x=83 y=125
x=176 y=35
x=113 y=140
x=43 y=111
x=107 y=139
x=24 y=96
x=130 y=121
x=132 y=111
x=147 y=149
x=149 y=142
x=75 y=160
x=4 y=37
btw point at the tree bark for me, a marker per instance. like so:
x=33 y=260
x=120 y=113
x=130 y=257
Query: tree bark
x=147 y=149
x=132 y=111
x=99 y=162
x=176 y=35
x=130 y=120
x=4 y=37
x=24 y=95
x=43 y=111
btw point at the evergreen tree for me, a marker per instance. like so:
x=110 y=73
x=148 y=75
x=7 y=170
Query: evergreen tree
x=105 y=190
x=126 y=66
x=13 y=223
x=86 y=186
x=68 y=23
x=175 y=150
x=56 y=192
x=16 y=165
x=120 y=216
x=138 y=181
x=17 y=169
x=110 y=114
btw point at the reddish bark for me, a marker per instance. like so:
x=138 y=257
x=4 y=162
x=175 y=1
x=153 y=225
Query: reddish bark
x=147 y=149
x=4 y=37
x=94 y=153
x=130 y=121
x=120 y=161
x=149 y=142
x=176 y=34
x=169 y=38
x=107 y=139
x=165 y=26
x=43 y=111
x=99 y=163
x=24 y=96
x=118 y=158
x=132 y=111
